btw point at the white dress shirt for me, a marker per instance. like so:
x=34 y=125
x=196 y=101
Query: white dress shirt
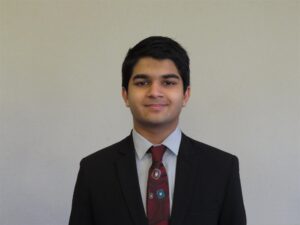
x=144 y=160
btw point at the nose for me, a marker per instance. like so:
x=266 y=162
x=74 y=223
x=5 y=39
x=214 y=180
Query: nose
x=155 y=90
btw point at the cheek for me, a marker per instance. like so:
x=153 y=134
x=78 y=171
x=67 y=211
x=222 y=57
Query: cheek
x=177 y=100
x=135 y=101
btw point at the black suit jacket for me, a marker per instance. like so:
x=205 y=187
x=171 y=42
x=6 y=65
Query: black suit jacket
x=207 y=187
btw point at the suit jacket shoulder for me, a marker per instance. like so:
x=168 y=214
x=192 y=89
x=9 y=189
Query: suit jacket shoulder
x=201 y=150
x=109 y=153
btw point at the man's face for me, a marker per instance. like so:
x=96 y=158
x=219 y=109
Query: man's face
x=155 y=93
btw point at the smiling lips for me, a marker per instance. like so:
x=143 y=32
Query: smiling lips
x=156 y=106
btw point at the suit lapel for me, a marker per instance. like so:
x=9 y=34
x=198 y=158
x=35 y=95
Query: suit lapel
x=185 y=170
x=127 y=172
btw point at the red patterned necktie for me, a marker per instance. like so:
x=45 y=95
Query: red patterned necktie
x=158 y=203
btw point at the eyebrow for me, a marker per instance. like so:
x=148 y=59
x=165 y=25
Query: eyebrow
x=165 y=76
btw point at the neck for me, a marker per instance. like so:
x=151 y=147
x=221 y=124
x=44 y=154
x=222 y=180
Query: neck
x=155 y=135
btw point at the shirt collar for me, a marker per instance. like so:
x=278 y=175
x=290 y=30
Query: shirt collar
x=142 y=145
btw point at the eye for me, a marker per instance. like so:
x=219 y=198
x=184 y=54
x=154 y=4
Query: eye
x=169 y=82
x=141 y=83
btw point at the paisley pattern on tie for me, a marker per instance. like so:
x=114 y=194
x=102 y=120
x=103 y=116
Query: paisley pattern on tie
x=158 y=202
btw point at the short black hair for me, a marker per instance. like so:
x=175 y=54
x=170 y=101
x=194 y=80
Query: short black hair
x=157 y=47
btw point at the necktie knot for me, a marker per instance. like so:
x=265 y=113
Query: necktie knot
x=157 y=153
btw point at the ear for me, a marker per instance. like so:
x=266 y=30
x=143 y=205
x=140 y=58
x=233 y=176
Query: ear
x=187 y=95
x=125 y=96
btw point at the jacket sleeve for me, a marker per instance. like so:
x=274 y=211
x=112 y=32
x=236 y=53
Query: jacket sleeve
x=233 y=210
x=81 y=213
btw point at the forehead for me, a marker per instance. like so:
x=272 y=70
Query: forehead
x=154 y=67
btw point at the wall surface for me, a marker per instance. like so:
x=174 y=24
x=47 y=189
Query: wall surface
x=60 y=95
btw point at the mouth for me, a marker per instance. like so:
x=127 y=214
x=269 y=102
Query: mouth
x=156 y=107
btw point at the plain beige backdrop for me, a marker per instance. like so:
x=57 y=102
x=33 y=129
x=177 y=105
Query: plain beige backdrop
x=60 y=95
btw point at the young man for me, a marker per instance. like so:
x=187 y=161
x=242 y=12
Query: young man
x=157 y=175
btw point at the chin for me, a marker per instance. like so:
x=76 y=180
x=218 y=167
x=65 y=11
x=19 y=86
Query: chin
x=156 y=123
